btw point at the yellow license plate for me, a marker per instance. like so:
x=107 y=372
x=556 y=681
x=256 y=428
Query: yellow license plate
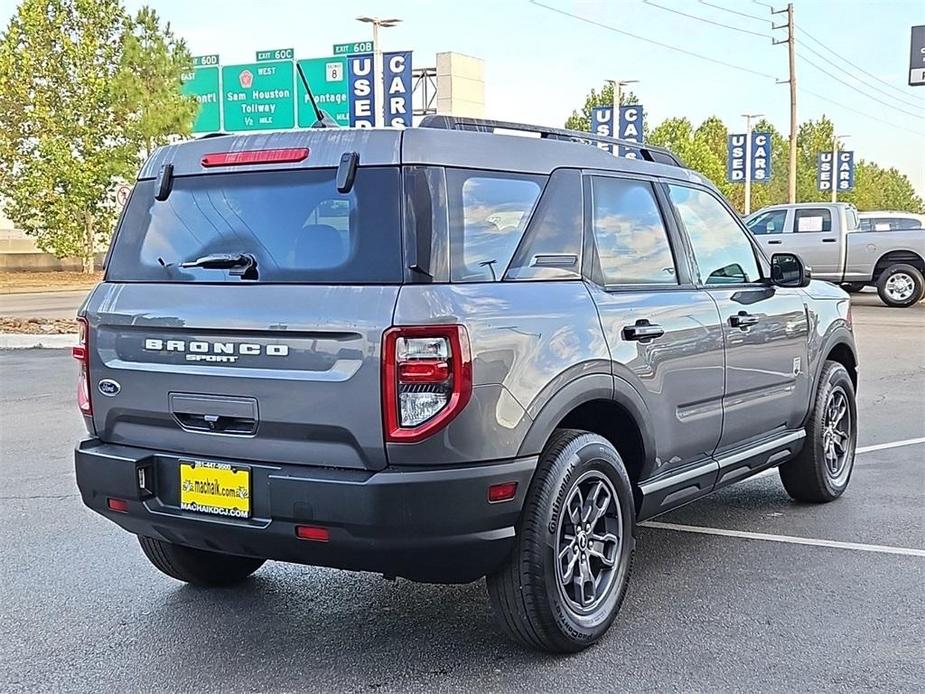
x=215 y=488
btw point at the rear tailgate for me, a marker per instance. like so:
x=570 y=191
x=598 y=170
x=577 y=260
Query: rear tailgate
x=286 y=374
x=278 y=363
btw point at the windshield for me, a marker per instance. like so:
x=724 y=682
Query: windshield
x=295 y=224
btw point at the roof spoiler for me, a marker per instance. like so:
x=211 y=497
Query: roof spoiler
x=659 y=155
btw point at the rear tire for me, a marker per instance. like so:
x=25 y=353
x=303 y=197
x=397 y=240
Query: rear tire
x=822 y=470
x=900 y=286
x=566 y=578
x=198 y=566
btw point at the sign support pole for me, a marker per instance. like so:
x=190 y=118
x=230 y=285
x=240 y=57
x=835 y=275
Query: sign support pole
x=834 y=168
x=748 y=159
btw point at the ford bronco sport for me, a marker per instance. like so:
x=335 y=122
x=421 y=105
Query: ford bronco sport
x=445 y=353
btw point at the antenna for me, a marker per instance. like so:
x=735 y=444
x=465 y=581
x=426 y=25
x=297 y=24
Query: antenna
x=324 y=120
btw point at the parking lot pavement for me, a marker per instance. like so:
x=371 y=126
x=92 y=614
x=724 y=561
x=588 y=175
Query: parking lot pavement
x=83 y=611
x=42 y=304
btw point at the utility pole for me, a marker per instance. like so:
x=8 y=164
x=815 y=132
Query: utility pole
x=379 y=119
x=792 y=60
x=748 y=159
x=835 y=165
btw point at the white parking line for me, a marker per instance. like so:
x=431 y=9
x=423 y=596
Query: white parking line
x=893 y=444
x=789 y=539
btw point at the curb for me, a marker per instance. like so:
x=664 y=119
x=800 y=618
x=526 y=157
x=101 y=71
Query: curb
x=25 y=341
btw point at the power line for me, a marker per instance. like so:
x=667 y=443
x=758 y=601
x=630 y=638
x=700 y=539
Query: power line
x=764 y=20
x=861 y=113
x=705 y=20
x=851 y=86
x=865 y=83
x=666 y=46
x=763 y=4
x=854 y=65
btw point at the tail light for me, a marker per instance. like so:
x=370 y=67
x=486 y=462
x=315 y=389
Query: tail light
x=82 y=354
x=427 y=379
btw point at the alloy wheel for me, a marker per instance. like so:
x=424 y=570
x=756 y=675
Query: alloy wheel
x=836 y=434
x=589 y=542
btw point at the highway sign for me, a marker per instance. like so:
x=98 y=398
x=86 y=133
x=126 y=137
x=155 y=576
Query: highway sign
x=275 y=54
x=202 y=83
x=327 y=78
x=917 y=57
x=259 y=96
x=353 y=48
x=205 y=60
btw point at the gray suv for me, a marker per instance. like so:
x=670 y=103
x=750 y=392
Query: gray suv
x=445 y=353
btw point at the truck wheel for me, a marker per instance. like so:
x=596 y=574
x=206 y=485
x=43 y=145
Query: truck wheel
x=900 y=286
x=821 y=471
x=853 y=287
x=198 y=566
x=565 y=580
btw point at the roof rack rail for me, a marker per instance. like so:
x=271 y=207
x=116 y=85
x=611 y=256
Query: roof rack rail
x=651 y=153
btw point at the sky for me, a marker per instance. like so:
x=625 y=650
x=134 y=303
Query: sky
x=540 y=64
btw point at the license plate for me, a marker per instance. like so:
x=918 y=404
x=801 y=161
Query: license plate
x=216 y=488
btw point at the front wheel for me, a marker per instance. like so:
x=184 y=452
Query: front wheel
x=565 y=580
x=823 y=468
x=198 y=567
x=900 y=286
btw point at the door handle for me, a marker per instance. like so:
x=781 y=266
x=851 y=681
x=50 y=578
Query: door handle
x=828 y=240
x=643 y=331
x=774 y=243
x=743 y=319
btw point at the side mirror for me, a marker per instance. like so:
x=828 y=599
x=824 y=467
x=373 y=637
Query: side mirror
x=787 y=270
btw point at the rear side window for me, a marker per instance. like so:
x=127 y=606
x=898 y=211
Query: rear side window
x=295 y=224
x=629 y=233
x=488 y=213
x=812 y=220
x=551 y=248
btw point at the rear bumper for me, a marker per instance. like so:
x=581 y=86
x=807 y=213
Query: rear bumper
x=433 y=525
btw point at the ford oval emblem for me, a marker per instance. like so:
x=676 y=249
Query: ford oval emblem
x=109 y=387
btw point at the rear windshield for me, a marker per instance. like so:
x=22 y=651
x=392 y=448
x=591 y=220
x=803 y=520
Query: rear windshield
x=294 y=223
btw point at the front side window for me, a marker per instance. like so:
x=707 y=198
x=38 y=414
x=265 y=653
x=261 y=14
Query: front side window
x=629 y=233
x=488 y=214
x=770 y=222
x=812 y=220
x=722 y=250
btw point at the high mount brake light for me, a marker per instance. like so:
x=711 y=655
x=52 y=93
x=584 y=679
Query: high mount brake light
x=81 y=353
x=256 y=156
x=426 y=379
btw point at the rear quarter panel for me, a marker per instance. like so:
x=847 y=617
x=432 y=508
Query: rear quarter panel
x=528 y=339
x=865 y=248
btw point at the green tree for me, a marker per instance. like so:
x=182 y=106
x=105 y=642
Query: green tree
x=149 y=82
x=70 y=127
x=581 y=120
x=678 y=135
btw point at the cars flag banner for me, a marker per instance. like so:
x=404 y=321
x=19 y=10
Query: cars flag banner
x=835 y=169
x=361 y=94
x=396 y=88
x=735 y=158
x=761 y=157
x=602 y=123
x=844 y=172
x=631 y=124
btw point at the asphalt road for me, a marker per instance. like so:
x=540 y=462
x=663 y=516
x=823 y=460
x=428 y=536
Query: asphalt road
x=42 y=304
x=81 y=610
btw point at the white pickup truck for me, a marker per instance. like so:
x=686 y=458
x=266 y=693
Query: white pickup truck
x=827 y=238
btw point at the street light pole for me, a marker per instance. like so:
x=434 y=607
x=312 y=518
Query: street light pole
x=835 y=165
x=748 y=159
x=615 y=108
x=379 y=117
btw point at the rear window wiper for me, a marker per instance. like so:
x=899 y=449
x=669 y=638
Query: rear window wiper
x=242 y=265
